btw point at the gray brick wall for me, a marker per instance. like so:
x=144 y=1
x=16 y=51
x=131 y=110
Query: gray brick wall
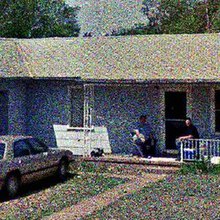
x=118 y=108
x=16 y=106
x=48 y=104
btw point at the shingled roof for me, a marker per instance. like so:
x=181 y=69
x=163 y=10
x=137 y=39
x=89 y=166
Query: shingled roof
x=152 y=57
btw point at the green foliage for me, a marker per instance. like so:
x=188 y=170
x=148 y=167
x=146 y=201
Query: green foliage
x=16 y=18
x=37 y=18
x=88 y=167
x=178 y=17
x=139 y=29
x=187 y=17
x=199 y=167
x=215 y=17
x=215 y=170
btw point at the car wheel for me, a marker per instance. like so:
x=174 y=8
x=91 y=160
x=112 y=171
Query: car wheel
x=12 y=185
x=63 y=170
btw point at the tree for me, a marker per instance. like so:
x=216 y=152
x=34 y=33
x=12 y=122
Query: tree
x=101 y=17
x=212 y=15
x=55 y=19
x=180 y=16
x=37 y=18
x=16 y=18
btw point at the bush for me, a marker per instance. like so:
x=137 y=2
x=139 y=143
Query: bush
x=200 y=167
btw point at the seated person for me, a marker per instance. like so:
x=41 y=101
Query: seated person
x=190 y=132
x=143 y=138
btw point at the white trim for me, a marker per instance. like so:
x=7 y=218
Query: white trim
x=5 y=150
x=79 y=128
x=113 y=85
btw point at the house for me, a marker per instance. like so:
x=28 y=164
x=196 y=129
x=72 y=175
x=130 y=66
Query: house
x=79 y=93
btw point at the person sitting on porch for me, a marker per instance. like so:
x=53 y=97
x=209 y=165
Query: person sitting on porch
x=190 y=132
x=143 y=137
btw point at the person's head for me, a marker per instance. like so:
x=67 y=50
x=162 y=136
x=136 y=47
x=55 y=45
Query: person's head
x=188 y=122
x=143 y=118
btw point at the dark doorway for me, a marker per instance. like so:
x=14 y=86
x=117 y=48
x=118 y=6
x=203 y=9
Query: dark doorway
x=3 y=113
x=175 y=114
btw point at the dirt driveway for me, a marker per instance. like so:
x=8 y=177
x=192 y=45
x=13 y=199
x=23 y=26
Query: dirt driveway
x=88 y=206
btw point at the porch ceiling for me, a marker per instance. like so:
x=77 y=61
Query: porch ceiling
x=153 y=58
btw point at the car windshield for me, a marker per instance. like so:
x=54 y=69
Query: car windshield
x=2 y=150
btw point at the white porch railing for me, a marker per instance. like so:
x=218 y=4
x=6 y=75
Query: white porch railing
x=197 y=149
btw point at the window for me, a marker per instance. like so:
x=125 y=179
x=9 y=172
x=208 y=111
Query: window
x=2 y=150
x=217 y=110
x=37 y=147
x=77 y=107
x=21 y=148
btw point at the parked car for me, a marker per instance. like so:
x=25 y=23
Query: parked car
x=27 y=159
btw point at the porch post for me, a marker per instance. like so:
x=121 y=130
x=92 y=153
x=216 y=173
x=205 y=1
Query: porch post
x=161 y=120
x=181 y=152
x=88 y=116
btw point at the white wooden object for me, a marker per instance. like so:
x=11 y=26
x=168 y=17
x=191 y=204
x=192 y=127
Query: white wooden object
x=73 y=139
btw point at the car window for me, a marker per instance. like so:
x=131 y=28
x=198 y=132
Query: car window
x=2 y=150
x=37 y=146
x=21 y=148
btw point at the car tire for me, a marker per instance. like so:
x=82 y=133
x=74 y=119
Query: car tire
x=12 y=185
x=63 y=170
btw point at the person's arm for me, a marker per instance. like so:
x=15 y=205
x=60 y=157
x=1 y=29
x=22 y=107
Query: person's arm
x=135 y=130
x=190 y=136
x=194 y=134
x=185 y=137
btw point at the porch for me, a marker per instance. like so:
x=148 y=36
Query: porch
x=101 y=114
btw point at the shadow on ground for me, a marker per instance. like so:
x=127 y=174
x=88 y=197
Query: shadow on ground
x=35 y=187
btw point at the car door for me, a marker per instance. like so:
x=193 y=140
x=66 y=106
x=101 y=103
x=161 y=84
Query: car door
x=22 y=160
x=39 y=153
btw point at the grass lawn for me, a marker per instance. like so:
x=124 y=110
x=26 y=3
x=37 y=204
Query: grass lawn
x=178 y=196
x=44 y=198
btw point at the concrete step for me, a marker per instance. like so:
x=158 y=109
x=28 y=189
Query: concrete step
x=135 y=160
x=104 y=166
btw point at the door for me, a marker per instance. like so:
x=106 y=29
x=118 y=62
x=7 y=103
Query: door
x=175 y=114
x=3 y=113
x=43 y=162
